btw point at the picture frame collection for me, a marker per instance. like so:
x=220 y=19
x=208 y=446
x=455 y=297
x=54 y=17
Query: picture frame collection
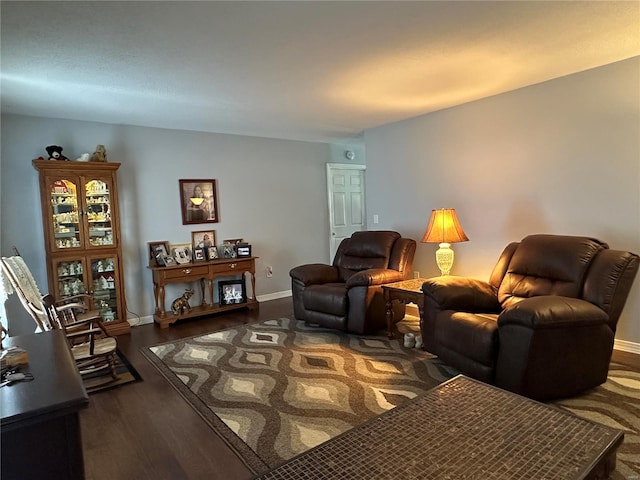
x=199 y=205
x=203 y=248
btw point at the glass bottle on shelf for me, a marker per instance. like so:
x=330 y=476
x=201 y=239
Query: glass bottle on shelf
x=97 y=200
x=64 y=211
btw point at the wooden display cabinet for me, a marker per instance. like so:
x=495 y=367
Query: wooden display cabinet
x=81 y=224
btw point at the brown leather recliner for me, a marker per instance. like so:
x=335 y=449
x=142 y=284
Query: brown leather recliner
x=348 y=294
x=544 y=324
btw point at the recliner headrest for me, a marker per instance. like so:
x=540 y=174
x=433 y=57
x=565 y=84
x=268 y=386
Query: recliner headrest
x=548 y=265
x=372 y=244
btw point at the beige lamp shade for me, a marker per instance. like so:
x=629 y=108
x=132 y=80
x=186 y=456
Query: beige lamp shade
x=444 y=229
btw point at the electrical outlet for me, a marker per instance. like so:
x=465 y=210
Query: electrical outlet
x=269 y=271
x=416 y=274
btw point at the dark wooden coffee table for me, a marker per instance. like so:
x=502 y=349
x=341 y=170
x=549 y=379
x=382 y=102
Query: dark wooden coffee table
x=407 y=291
x=463 y=429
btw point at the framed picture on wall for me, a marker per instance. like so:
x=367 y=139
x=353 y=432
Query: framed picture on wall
x=198 y=201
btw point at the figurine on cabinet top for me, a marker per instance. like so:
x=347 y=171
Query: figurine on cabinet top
x=100 y=155
x=55 y=152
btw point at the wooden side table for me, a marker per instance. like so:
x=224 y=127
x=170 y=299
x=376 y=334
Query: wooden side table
x=407 y=291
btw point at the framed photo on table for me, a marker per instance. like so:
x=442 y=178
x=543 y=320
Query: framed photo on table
x=203 y=239
x=212 y=253
x=198 y=201
x=199 y=255
x=181 y=252
x=157 y=252
x=232 y=291
x=243 y=250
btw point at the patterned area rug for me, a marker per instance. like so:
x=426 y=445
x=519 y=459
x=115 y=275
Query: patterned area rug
x=275 y=389
x=615 y=403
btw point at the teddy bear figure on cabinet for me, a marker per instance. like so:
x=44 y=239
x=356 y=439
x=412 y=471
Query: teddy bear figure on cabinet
x=100 y=155
x=55 y=152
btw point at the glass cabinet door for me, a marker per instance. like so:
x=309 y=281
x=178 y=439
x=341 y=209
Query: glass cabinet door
x=104 y=280
x=98 y=213
x=64 y=212
x=70 y=277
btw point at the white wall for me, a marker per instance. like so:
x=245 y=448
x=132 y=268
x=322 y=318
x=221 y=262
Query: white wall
x=559 y=157
x=271 y=192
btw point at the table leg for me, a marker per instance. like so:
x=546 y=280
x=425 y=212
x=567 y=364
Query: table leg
x=203 y=303
x=389 y=316
x=253 y=285
x=161 y=295
x=421 y=313
x=155 y=296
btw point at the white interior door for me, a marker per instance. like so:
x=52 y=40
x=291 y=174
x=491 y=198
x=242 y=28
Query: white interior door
x=345 y=190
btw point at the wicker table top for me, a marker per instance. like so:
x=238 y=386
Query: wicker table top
x=413 y=285
x=462 y=429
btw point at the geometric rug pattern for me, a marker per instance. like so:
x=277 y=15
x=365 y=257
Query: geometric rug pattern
x=282 y=387
x=275 y=389
x=615 y=403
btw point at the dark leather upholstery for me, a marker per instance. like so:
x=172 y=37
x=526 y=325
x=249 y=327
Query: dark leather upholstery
x=544 y=324
x=348 y=294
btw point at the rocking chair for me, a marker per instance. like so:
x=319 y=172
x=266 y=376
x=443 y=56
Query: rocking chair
x=92 y=347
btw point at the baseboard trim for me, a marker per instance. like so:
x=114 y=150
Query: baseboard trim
x=625 y=346
x=147 y=319
x=137 y=321
x=412 y=309
x=274 y=296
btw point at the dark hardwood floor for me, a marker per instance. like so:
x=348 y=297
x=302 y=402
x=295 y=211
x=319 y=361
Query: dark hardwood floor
x=146 y=430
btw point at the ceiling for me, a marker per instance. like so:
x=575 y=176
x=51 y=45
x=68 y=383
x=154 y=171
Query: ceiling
x=306 y=70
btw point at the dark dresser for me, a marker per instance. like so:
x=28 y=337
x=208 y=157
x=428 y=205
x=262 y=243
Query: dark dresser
x=40 y=428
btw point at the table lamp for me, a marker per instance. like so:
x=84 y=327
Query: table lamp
x=444 y=229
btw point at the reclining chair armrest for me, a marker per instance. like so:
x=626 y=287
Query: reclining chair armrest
x=550 y=311
x=374 y=276
x=461 y=293
x=314 y=273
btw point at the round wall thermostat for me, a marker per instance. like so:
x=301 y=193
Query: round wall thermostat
x=350 y=154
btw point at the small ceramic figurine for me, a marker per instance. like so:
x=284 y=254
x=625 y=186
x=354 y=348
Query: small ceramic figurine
x=100 y=155
x=180 y=304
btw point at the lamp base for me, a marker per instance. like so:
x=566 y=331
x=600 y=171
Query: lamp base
x=444 y=258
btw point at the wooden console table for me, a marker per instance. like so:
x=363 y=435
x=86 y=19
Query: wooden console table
x=205 y=273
